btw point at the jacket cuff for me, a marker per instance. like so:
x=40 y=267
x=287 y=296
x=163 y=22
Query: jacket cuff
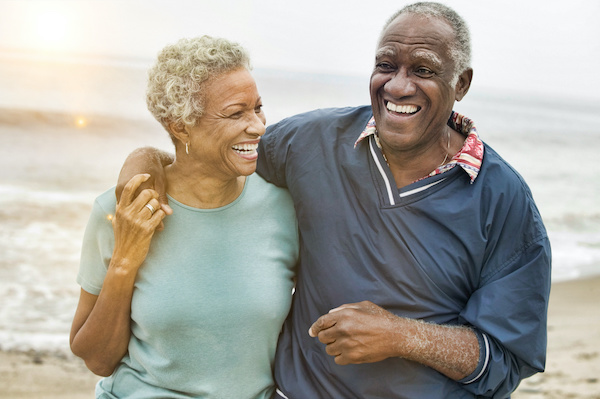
x=484 y=358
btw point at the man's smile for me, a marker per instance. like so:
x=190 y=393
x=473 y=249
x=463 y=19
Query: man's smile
x=402 y=109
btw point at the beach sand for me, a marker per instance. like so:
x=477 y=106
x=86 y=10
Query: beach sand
x=573 y=358
x=572 y=369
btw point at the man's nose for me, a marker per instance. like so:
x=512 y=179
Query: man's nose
x=401 y=84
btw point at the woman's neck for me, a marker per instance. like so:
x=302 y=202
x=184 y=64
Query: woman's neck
x=195 y=187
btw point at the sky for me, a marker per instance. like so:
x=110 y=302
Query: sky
x=541 y=47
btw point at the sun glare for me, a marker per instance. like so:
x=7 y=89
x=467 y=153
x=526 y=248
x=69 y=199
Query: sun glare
x=81 y=122
x=51 y=28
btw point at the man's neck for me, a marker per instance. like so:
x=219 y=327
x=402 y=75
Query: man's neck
x=408 y=167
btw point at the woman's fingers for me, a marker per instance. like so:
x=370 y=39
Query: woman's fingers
x=140 y=215
x=155 y=213
x=151 y=207
x=156 y=219
x=143 y=199
x=134 y=225
x=130 y=188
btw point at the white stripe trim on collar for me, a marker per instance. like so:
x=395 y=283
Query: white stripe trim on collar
x=382 y=172
x=419 y=189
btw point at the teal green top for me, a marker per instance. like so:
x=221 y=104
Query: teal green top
x=209 y=300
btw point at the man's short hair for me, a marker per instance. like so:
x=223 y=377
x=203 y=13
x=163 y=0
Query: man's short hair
x=460 y=49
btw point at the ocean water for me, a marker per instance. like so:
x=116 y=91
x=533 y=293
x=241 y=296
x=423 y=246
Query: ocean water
x=66 y=126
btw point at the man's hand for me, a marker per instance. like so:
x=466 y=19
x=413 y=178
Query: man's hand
x=365 y=333
x=150 y=161
x=358 y=333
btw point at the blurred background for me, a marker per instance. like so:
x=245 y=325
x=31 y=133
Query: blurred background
x=72 y=106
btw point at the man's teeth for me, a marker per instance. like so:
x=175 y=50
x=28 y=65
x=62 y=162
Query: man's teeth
x=403 y=109
x=243 y=148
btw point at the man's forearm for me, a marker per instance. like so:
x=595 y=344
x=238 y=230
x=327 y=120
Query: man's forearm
x=145 y=160
x=165 y=158
x=365 y=333
x=451 y=350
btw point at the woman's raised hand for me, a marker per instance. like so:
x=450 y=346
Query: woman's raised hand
x=135 y=222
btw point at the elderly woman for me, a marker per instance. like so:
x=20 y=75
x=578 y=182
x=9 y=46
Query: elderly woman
x=195 y=309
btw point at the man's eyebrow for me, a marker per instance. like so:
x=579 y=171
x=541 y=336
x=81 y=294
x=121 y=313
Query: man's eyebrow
x=417 y=55
x=428 y=56
x=385 y=51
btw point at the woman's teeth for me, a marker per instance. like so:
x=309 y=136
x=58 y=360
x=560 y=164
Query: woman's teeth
x=244 y=148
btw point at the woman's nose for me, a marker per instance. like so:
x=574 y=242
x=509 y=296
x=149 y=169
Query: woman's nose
x=257 y=125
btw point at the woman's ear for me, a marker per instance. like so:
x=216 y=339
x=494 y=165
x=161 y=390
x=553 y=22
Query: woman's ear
x=179 y=132
x=463 y=84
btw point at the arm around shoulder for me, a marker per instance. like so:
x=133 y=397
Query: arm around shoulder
x=146 y=160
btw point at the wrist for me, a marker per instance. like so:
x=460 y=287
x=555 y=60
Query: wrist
x=122 y=266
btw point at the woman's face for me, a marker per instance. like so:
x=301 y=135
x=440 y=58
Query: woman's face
x=227 y=135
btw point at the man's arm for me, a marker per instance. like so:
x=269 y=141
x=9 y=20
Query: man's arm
x=365 y=333
x=151 y=161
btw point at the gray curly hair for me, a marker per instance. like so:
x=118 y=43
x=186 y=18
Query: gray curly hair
x=177 y=81
x=460 y=49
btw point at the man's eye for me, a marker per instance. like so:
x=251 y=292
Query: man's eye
x=384 y=66
x=424 y=72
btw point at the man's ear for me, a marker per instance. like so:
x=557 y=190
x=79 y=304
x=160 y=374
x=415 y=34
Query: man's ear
x=463 y=84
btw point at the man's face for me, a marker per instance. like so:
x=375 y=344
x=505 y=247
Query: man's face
x=411 y=92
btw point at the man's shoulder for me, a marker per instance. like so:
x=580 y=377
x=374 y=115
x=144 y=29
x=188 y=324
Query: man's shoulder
x=323 y=117
x=502 y=180
x=498 y=169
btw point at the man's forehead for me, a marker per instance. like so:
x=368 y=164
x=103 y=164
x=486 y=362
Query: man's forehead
x=412 y=29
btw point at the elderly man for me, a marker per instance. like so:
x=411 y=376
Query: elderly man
x=425 y=265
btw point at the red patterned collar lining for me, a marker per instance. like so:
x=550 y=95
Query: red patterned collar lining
x=470 y=156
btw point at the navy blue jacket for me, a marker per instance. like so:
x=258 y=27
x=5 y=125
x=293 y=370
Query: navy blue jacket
x=454 y=253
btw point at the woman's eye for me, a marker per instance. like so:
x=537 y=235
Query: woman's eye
x=258 y=109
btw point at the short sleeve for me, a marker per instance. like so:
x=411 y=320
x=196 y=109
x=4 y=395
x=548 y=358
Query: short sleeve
x=98 y=244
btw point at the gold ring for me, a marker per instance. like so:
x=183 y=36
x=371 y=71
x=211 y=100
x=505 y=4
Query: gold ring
x=152 y=210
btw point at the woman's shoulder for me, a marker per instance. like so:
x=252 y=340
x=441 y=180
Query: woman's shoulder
x=106 y=202
x=265 y=191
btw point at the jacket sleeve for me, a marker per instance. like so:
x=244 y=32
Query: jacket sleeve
x=272 y=154
x=509 y=308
